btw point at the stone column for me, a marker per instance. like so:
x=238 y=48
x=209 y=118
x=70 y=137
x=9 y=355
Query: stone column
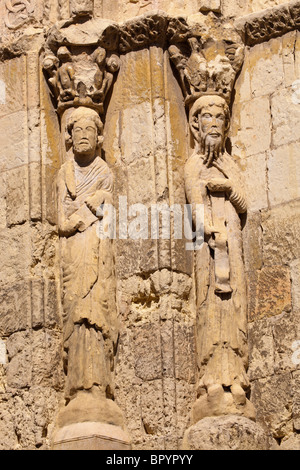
x=207 y=62
x=79 y=65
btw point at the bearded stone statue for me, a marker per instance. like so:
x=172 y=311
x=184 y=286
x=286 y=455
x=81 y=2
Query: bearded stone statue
x=213 y=180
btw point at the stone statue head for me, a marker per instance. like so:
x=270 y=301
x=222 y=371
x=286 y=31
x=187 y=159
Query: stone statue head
x=209 y=123
x=64 y=55
x=85 y=133
x=81 y=8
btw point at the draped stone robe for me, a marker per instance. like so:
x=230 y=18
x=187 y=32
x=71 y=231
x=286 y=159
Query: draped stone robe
x=88 y=281
x=221 y=324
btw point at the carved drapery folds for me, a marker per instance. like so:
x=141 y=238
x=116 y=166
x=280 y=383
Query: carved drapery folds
x=90 y=323
x=79 y=62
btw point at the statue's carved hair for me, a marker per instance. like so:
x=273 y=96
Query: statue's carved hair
x=83 y=113
x=206 y=101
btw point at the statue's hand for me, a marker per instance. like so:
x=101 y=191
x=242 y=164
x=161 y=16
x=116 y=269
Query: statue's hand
x=94 y=202
x=219 y=185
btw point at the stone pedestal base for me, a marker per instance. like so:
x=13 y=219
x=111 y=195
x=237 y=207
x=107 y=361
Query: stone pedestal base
x=91 y=436
x=225 y=433
x=90 y=422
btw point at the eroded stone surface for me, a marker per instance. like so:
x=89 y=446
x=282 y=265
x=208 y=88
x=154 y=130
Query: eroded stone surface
x=225 y=433
x=140 y=95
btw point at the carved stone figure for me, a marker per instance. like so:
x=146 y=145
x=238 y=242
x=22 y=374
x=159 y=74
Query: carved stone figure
x=88 y=282
x=213 y=180
x=65 y=75
x=103 y=79
x=50 y=65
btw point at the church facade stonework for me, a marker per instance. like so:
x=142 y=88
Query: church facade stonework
x=149 y=225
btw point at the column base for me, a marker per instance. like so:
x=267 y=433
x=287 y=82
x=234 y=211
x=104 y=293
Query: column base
x=91 y=436
x=90 y=422
x=230 y=432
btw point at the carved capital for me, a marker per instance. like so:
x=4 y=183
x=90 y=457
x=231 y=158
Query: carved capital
x=207 y=57
x=80 y=63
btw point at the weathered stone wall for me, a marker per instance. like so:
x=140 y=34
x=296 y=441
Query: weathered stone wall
x=265 y=139
x=29 y=311
x=146 y=145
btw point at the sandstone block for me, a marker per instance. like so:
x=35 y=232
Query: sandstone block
x=46 y=359
x=285 y=117
x=296 y=400
x=167 y=341
x=266 y=67
x=13 y=141
x=147 y=347
x=252 y=242
x=283 y=174
x=291 y=443
x=17 y=209
x=19 y=367
x=2 y=201
x=285 y=333
x=14 y=308
x=251 y=127
x=12 y=76
x=280 y=234
x=169 y=402
x=9 y=440
x=295 y=276
x=34 y=413
x=254 y=169
x=271 y=288
x=185 y=356
x=274 y=410
x=289 y=63
x=149 y=443
x=152 y=407
x=225 y=433
x=13 y=242
x=261 y=349
x=242 y=85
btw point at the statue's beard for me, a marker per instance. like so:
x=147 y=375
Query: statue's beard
x=83 y=148
x=211 y=147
